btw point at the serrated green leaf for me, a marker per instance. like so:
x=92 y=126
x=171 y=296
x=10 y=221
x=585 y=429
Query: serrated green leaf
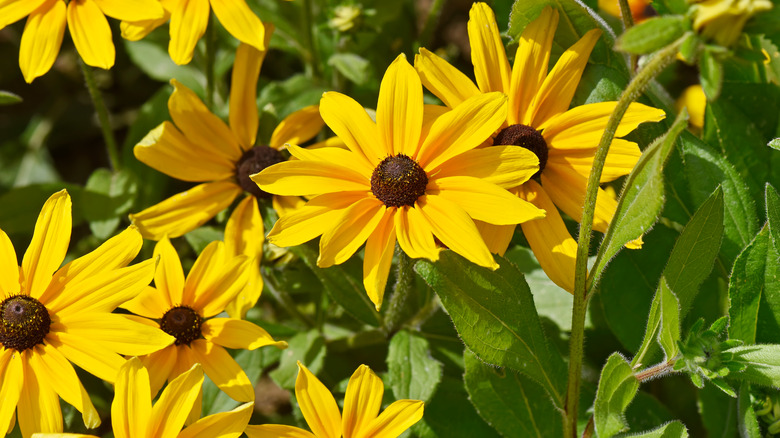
x=307 y=347
x=673 y=429
x=413 y=373
x=617 y=387
x=772 y=201
x=669 y=333
x=651 y=34
x=747 y=421
x=354 y=67
x=762 y=364
x=710 y=75
x=8 y=98
x=495 y=316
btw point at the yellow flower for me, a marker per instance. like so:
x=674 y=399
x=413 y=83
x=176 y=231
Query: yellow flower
x=539 y=119
x=86 y=20
x=189 y=19
x=723 y=20
x=133 y=416
x=361 y=410
x=694 y=99
x=50 y=317
x=187 y=310
x=401 y=178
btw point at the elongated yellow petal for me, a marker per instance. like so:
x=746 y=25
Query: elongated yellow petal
x=357 y=223
x=238 y=334
x=491 y=67
x=160 y=365
x=185 y=211
x=169 y=275
x=248 y=296
x=351 y=123
x=212 y=298
x=550 y=241
x=223 y=370
x=115 y=332
x=222 y=425
x=297 y=178
x=91 y=33
x=188 y=23
x=531 y=60
x=496 y=237
x=621 y=159
x=240 y=21
x=299 y=127
x=276 y=431
x=12 y=11
x=166 y=149
x=9 y=269
x=394 y=420
x=42 y=38
x=131 y=10
x=175 y=402
x=92 y=357
x=505 y=166
x=11 y=386
x=38 y=409
x=333 y=155
x=361 y=402
x=138 y=30
x=462 y=129
x=49 y=244
x=455 y=228
x=442 y=79
x=131 y=409
x=557 y=90
x=414 y=234
x=243 y=93
x=399 y=111
x=204 y=272
x=582 y=126
x=244 y=230
x=567 y=190
x=317 y=405
x=378 y=258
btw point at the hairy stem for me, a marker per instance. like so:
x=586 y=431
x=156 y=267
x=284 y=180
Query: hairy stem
x=628 y=23
x=103 y=118
x=403 y=289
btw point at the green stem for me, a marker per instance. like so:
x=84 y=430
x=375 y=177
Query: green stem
x=403 y=289
x=103 y=118
x=628 y=23
x=634 y=89
x=211 y=54
x=655 y=371
x=314 y=56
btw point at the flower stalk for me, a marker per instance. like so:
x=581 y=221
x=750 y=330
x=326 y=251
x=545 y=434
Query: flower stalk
x=402 y=290
x=103 y=117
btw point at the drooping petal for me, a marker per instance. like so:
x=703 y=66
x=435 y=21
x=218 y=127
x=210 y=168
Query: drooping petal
x=188 y=23
x=567 y=188
x=462 y=129
x=49 y=244
x=38 y=409
x=299 y=127
x=42 y=38
x=9 y=269
x=276 y=431
x=223 y=370
x=183 y=212
x=505 y=166
x=175 y=403
x=378 y=258
x=317 y=405
x=169 y=275
x=298 y=178
x=229 y=424
x=238 y=334
x=160 y=365
x=131 y=10
x=94 y=358
x=11 y=386
x=399 y=112
x=131 y=409
x=361 y=402
x=212 y=298
x=394 y=420
x=414 y=234
x=582 y=126
x=115 y=332
x=491 y=67
x=442 y=79
x=240 y=21
x=351 y=123
x=91 y=34
x=138 y=30
x=12 y=11
x=620 y=160
x=550 y=241
x=357 y=223
x=243 y=92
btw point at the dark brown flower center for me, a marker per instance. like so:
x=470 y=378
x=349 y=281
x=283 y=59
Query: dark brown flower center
x=24 y=322
x=252 y=162
x=183 y=323
x=525 y=137
x=398 y=180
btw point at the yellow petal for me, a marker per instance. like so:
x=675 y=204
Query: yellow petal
x=550 y=241
x=442 y=79
x=199 y=125
x=185 y=211
x=243 y=93
x=208 y=267
x=223 y=370
x=531 y=60
x=299 y=127
x=244 y=230
x=9 y=269
x=240 y=21
x=567 y=190
x=378 y=258
x=317 y=405
x=414 y=234
x=462 y=129
x=12 y=378
x=169 y=275
x=248 y=296
x=394 y=420
x=455 y=228
x=138 y=30
x=351 y=123
x=42 y=38
x=505 y=166
x=621 y=159
x=166 y=149
x=49 y=244
x=212 y=297
x=361 y=402
x=238 y=334
x=132 y=406
x=188 y=23
x=694 y=99
x=298 y=178
x=582 y=126
x=38 y=409
x=557 y=90
x=399 y=111
x=484 y=201
x=357 y=223
x=491 y=67
x=285 y=205
x=222 y=425
x=160 y=365
x=335 y=156
x=276 y=431
x=115 y=332
x=12 y=11
x=131 y=10
x=496 y=237
x=91 y=33
x=94 y=358
x=175 y=402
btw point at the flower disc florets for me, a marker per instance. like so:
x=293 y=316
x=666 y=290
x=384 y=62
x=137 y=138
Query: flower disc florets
x=24 y=322
x=253 y=161
x=525 y=137
x=398 y=181
x=183 y=323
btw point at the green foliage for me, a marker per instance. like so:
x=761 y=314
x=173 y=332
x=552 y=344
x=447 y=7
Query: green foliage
x=617 y=387
x=8 y=98
x=673 y=429
x=413 y=373
x=652 y=34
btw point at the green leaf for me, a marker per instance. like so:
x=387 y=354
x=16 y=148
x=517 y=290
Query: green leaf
x=252 y=362
x=354 y=67
x=27 y=202
x=772 y=201
x=8 y=98
x=513 y=404
x=673 y=429
x=774 y=144
x=495 y=316
x=762 y=364
x=617 y=387
x=200 y=237
x=651 y=34
x=710 y=75
x=641 y=200
x=669 y=333
x=747 y=420
x=107 y=197
x=449 y=414
x=154 y=60
x=718 y=412
x=307 y=347
x=413 y=373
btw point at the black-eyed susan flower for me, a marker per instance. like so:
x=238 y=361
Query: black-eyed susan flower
x=188 y=310
x=50 y=317
x=361 y=417
x=401 y=179
x=86 y=20
x=189 y=19
x=539 y=120
x=134 y=416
